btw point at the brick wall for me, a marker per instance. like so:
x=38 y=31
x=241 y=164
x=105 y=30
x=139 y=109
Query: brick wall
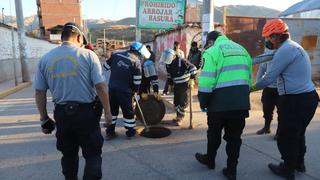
x=59 y=12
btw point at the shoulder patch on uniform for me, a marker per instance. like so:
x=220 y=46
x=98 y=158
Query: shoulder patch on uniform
x=232 y=50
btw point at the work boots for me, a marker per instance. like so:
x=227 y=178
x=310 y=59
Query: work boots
x=178 y=121
x=131 y=132
x=110 y=132
x=230 y=171
x=204 y=159
x=282 y=170
x=266 y=128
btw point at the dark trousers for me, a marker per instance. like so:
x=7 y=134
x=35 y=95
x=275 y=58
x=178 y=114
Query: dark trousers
x=233 y=124
x=295 y=113
x=79 y=127
x=269 y=101
x=124 y=101
x=180 y=99
x=166 y=87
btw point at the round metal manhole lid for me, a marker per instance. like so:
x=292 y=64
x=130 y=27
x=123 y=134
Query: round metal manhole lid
x=153 y=110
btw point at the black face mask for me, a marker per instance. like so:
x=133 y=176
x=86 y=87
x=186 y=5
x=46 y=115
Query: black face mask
x=269 y=45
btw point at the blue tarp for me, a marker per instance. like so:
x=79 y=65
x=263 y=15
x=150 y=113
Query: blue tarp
x=303 y=6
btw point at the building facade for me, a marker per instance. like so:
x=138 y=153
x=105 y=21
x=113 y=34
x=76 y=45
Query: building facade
x=57 y=12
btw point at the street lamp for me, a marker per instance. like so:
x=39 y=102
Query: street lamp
x=2 y=16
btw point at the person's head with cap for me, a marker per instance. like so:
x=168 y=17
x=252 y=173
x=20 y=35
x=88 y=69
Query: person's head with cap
x=176 y=45
x=275 y=32
x=211 y=38
x=73 y=33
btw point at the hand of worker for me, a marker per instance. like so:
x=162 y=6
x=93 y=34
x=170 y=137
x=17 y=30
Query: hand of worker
x=191 y=83
x=157 y=96
x=47 y=125
x=107 y=118
x=253 y=88
x=144 y=96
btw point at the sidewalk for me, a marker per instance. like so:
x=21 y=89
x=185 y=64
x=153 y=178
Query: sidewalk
x=9 y=87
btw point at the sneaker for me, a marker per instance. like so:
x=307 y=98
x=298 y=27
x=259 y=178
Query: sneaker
x=264 y=131
x=110 y=136
x=203 y=159
x=282 y=171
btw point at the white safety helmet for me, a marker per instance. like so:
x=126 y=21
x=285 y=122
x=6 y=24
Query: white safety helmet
x=168 y=56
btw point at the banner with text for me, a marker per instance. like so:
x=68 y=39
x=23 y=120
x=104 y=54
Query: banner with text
x=161 y=14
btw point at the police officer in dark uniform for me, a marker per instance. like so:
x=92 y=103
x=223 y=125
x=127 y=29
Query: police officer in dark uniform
x=74 y=77
x=125 y=80
x=180 y=74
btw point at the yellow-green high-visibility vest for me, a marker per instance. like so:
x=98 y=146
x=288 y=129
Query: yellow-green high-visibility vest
x=226 y=64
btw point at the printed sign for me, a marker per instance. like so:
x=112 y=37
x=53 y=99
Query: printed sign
x=161 y=14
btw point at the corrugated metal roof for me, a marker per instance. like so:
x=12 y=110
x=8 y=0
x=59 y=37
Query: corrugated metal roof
x=303 y=6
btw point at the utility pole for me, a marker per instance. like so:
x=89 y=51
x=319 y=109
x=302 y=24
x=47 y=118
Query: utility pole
x=22 y=42
x=138 y=30
x=2 y=16
x=207 y=19
x=14 y=57
x=104 y=41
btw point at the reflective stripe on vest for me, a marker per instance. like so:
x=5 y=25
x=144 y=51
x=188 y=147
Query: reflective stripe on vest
x=182 y=79
x=233 y=67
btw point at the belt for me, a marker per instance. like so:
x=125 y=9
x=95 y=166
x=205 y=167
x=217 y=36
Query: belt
x=71 y=107
x=73 y=103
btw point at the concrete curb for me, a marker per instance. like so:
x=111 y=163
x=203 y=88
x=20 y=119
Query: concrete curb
x=14 y=89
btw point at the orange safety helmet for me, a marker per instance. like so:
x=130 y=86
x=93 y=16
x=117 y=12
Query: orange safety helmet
x=274 y=26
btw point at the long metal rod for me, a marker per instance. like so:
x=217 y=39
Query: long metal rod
x=143 y=120
x=190 y=105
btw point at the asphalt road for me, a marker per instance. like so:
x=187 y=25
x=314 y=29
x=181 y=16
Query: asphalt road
x=26 y=153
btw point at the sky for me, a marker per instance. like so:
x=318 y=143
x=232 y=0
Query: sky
x=119 y=9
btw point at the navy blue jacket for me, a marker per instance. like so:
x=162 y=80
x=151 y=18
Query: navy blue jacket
x=125 y=72
x=180 y=71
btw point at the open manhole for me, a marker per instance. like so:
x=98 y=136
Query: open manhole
x=155 y=132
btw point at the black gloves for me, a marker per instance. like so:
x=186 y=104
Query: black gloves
x=47 y=125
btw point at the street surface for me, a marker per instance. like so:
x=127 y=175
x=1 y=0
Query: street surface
x=26 y=153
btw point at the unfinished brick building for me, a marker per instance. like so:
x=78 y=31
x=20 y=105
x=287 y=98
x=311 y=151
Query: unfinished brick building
x=57 y=12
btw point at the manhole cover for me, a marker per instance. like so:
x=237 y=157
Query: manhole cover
x=153 y=110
